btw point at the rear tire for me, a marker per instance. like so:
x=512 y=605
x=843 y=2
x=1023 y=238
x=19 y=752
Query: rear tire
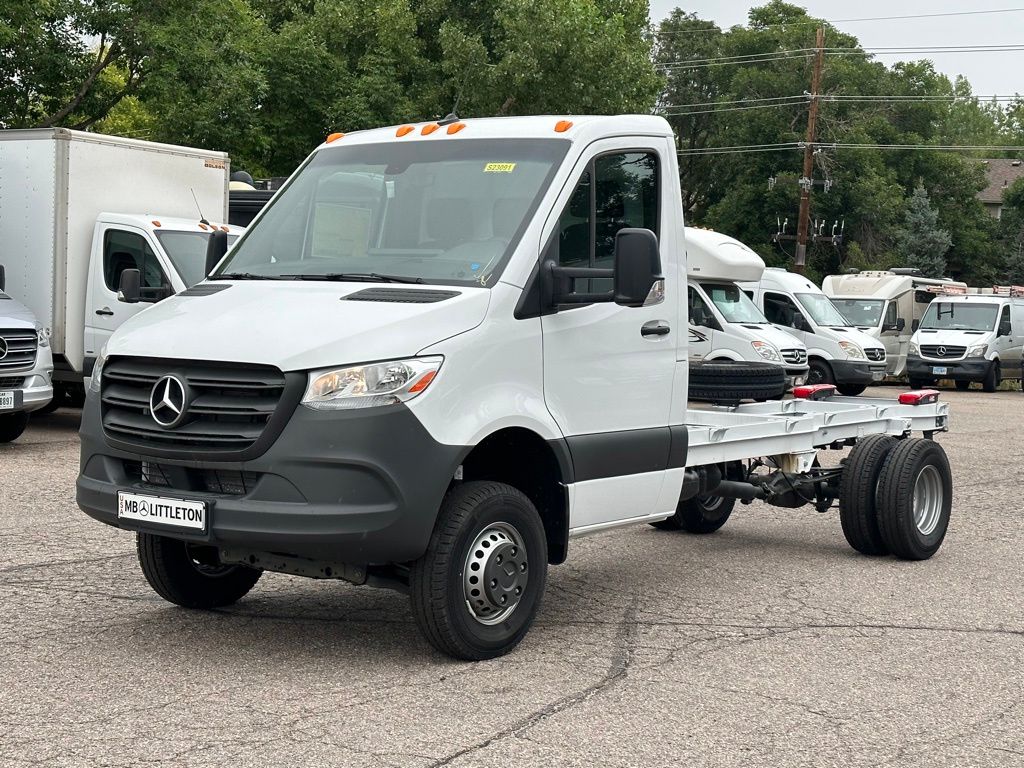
x=701 y=514
x=477 y=589
x=991 y=381
x=12 y=425
x=851 y=390
x=189 y=575
x=857 y=509
x=730 y=381
x=963 y=386
x=915 y=496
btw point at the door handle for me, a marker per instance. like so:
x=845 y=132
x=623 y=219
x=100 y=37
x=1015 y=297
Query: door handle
x=105 y=311
x=655 y=328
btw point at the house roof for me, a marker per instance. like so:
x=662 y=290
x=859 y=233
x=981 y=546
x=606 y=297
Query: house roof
x=1000 y=174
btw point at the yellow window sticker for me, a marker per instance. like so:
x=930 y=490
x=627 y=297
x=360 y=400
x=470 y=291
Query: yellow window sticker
x=499 y=167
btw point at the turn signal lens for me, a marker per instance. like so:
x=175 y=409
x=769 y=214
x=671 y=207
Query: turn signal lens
x=814 y=391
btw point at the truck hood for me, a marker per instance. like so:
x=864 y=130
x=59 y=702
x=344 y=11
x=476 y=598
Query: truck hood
x=952 y=338
x=858 y=337
x=300 y=325
x=769 y=333
x=14 y=314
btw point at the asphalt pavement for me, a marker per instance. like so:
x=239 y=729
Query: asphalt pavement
x=769 y=643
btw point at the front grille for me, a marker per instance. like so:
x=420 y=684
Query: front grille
x=942 y=351
x=18 y=349
x=11 y=382
x=795 y=356
x=228 y=407
x=875 y=354
x=228 y=482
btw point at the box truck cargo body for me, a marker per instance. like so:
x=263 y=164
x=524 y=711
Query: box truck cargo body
x=55 y=183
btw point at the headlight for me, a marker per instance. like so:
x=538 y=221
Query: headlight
x=373 y=384
x=97 y=371
x=43 y=335
x=767 y=351
x=979 y=351
x=852 y=350
x=913 y=350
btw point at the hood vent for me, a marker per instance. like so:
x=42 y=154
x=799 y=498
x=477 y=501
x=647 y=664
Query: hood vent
x=400 y=295
x=205 y=289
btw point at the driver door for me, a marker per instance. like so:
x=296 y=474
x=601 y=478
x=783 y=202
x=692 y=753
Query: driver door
x=700 y=321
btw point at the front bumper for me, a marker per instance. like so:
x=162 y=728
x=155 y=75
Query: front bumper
x=968 y=369
x=33 y=393
x=857 y=372
x=796 y=375
x=359 y=487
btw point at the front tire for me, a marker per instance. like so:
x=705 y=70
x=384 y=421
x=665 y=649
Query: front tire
x=851 y=390
x=701 y=514
x=991 y=381
x=477 y=589
x=963 y=386
x=857 y=508
x=12 y=425
x=915 y=496
x=189 y=575
x=820 y=372
x=920 y=383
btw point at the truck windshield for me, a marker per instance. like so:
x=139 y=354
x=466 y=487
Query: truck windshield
x=734 y=304
x=187 y=251
x=863 y=312
x=822 y=311
x=959 y=316
x=433 y=211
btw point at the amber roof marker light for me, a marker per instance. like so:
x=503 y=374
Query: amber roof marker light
x=334 y=137
x=562 y=126
x=405 y=130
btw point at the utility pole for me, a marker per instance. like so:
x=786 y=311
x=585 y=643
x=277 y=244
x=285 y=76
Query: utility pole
x=806 y=182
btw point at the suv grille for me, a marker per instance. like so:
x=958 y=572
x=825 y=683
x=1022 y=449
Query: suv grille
x=875 y=354
x=224 y=481
x=227 y=408
x=11 y=382
x=795 y=356
x=18 y=350
x=942 y=352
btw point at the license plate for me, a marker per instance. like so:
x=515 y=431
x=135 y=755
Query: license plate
x=939 y=370
x=6 y=401
x=157 y=510
x=877 y=375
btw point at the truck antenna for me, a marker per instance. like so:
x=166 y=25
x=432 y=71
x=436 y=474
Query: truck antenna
x=202 y=219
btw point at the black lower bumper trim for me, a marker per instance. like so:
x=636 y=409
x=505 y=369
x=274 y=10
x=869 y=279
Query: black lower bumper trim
x=853 y=372
x=969 y=369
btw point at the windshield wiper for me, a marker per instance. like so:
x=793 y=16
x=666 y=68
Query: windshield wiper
x=241 y=276
x=357 y=277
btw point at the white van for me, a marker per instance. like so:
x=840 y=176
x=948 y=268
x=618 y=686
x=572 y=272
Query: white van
x=837 y=352
x=975 y=337
x=886 y=305
x=26 y=365
x=724 y=323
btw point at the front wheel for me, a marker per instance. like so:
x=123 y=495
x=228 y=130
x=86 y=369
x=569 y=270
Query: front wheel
x=963 y=386
x=477 y=589
x=820 y=373
x=12 y=425
x=190 y=575
x=991 y=381
x=850 y=390
x=920 y=383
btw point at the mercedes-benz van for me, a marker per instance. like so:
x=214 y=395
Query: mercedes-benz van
x=26 y=365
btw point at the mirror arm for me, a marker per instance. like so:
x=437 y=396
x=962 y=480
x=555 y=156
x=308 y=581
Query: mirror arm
x=581 y=272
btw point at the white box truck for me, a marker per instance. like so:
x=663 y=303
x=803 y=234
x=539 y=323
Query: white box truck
x=477 y=352
x=76 y=209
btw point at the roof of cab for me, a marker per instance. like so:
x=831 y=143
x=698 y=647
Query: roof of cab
x=585 y=128
x=173 y=223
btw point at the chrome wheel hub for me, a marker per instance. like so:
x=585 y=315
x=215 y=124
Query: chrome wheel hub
x=928 y=498
x=496 y=573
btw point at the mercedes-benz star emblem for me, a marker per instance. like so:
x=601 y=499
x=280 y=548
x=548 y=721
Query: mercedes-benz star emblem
x=941 y=351
x=167 y=402
x=3 y=347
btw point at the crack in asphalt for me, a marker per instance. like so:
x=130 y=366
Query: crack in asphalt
x=57 y=563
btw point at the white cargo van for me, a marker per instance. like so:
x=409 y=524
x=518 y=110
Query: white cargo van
x=25 y=365
x=76 y=209
x=837 y=352
x=886 y=305
x=724 y=323
x=442 y=352
x=969 y=337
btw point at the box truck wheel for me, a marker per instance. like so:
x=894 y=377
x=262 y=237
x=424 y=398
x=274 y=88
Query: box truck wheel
x=12 y=425
x=991 y=381
x=915 y=494
x=701 y=514
x=857 y=508
x=190 y=575
x=476 y=590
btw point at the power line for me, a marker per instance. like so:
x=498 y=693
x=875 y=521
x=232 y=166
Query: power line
x=800 y=145
x=798 y=99
x=800 y=103
x=759 y=58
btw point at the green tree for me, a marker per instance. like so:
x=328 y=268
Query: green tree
x=1011 y=226
x=919 y=241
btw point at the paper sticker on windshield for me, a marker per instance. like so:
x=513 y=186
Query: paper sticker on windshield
x=499 y=167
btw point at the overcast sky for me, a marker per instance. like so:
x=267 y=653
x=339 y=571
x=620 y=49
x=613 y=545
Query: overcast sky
x=1000 y=73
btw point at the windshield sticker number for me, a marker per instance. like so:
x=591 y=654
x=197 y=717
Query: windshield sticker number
x=499 y=167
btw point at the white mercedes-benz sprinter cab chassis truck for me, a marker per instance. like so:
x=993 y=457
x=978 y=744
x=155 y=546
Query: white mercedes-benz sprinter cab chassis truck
x=440 y=353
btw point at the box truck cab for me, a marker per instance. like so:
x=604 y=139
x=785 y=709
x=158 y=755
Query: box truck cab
x=886 y=305
x=26 y=365
x=439 y=354
x=969 y=337
x=724 y=323
x=837 y=352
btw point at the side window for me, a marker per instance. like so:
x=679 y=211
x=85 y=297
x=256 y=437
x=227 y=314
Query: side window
x=780 y=309
x=890 y=314
x=1004 y=319
x=700 y=314
x=617 y=191
x=127 y=250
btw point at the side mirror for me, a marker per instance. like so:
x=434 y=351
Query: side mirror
x=901 y=323
x=915 y=325
x=3 y=278
x=130 y=287
x=637 y=266
x=216 y=247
